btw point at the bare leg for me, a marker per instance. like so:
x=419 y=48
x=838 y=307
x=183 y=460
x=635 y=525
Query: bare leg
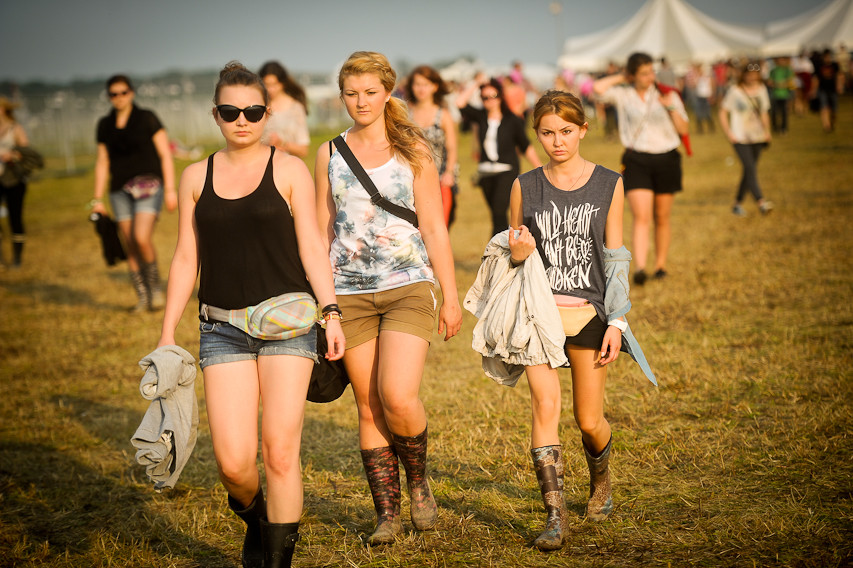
x=284 y=384
x=232 y=394
x=546 y=403
x=642 y=206
x=588 y=378
x=663 y=228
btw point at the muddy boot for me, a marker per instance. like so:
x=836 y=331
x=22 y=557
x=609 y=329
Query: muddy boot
x=253 y=552
x=383 y=477
x=412 y=451
x=548 y=463
x=151 y=273
x=279 y=543
x=600 y=500
x=143 y=297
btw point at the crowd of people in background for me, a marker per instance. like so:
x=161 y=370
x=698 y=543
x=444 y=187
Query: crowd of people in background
x=250 y=240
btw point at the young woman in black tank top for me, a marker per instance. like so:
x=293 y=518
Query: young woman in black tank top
x=249 y=196
x=560 y=125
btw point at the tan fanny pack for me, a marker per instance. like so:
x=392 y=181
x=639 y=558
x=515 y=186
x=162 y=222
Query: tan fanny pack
x=282 y=317
x=575 y=313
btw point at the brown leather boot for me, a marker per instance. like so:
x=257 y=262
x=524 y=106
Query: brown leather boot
x=548 y=463
x=412 y=451
x=600 y=502
x=383 y=477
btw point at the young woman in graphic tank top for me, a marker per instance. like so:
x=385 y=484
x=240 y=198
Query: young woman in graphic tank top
x=570 y=210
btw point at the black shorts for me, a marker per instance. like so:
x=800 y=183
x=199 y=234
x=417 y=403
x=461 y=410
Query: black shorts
x=659 y=172
x=591 y=336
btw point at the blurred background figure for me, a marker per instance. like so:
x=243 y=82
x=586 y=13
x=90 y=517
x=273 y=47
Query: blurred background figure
x=287 y=126
x=699 y=92
x=135 y=155
x=745 y=119
x=828 y=84
x=425 y=91
x=12 y=187
x=651 y=124
x=781 y=82
x=803 y=71
x=502 y=137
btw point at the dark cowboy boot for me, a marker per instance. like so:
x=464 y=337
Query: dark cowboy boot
x=600 y=500
x=412 y=451
x=279 y=543
x=548 y=463
x=383 y=477
x=253 y=554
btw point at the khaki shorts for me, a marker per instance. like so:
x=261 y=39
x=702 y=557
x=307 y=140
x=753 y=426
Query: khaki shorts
x=409 y=309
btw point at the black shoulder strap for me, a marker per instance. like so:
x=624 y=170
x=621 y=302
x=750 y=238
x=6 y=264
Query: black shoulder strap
x=375 y=197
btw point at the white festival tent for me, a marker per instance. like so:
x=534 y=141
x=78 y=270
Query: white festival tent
x=662 y=28
x=827 y=25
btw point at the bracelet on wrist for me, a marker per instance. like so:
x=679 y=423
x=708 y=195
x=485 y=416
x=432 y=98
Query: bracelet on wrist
x=621 y=325
x=331 y=308
x=332 y=316
x=95 y=202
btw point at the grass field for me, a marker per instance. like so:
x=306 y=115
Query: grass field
x=742 y=456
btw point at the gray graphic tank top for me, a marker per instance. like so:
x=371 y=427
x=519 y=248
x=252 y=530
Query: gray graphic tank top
x=569 y=230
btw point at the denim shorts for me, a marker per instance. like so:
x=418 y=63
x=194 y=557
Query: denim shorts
x=221 y=342
x=125 y=207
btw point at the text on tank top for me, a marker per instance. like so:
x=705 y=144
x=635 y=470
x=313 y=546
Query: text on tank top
x=568 y=227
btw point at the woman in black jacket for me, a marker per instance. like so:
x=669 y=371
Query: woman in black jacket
x=501 y=136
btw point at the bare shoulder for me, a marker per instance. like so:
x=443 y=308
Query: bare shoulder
x=193 y=177
x=288 y=163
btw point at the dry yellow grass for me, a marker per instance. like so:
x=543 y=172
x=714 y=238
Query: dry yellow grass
x=742 y=457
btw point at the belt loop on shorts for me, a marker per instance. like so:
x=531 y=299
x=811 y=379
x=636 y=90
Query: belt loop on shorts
x=203 y=311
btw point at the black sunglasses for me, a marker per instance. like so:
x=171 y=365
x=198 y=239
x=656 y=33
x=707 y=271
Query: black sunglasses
x=229 y=113
x=114 y=94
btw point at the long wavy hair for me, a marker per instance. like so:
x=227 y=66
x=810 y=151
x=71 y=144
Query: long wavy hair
x=406 y=139
x=291 y=87
x=433 y=77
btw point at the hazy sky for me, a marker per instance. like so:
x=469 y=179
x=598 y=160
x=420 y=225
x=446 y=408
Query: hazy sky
x=56 y=40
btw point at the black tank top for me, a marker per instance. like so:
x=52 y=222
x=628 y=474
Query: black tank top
x=247 y=246
x=569 y=230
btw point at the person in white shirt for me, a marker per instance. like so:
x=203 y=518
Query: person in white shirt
x=651 y=121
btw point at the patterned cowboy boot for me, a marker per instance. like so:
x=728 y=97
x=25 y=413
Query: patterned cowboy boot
x=548 y=463
x=151 y=273
x=143 y=296
x=253 y=552
x=383 y=477
x=600 y=498
x=279 y=543
x=412 y=451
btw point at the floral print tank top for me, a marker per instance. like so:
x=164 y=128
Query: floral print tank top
x=374 y=250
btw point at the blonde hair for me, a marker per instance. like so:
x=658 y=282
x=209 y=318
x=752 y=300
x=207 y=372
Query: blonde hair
x=406 y=139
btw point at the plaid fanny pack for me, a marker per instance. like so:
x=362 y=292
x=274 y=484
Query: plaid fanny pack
x=282 y=317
